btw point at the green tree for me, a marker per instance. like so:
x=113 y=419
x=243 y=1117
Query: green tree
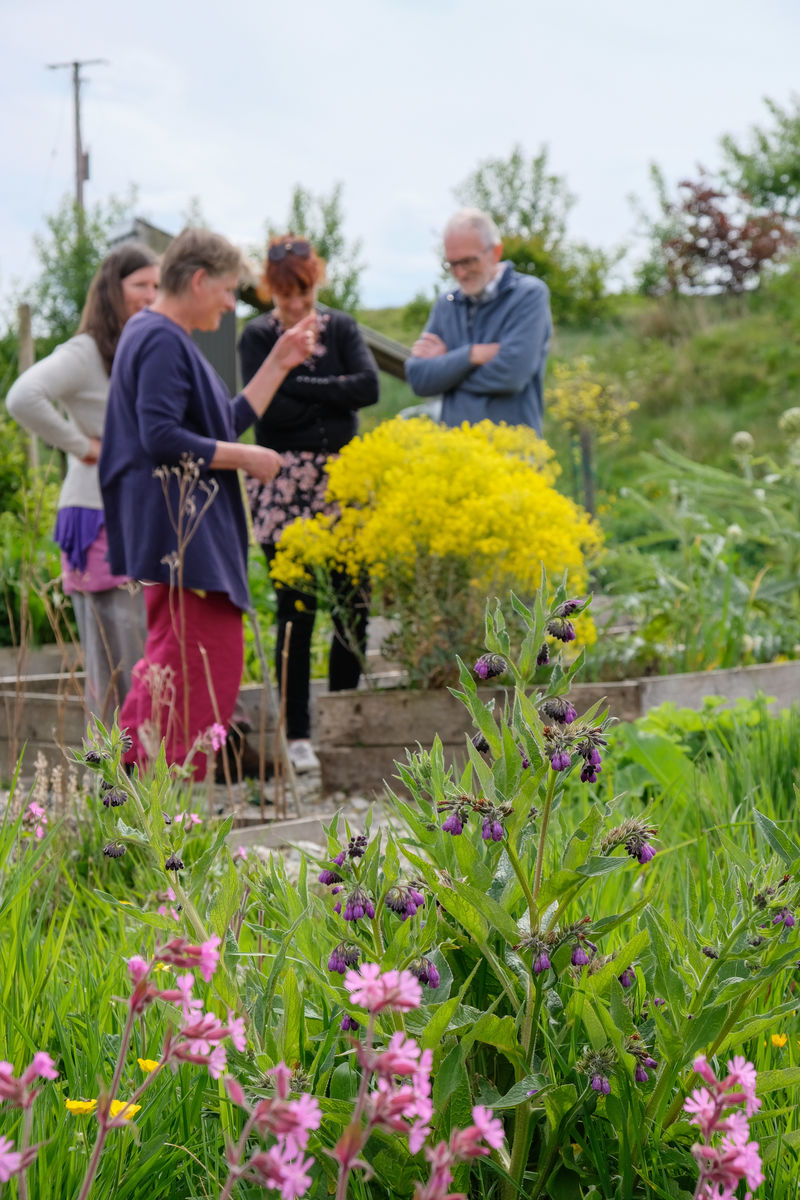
x=69 y=253
x=320 y=219
x=523 y=196
x=530 y=205
x=766 y=168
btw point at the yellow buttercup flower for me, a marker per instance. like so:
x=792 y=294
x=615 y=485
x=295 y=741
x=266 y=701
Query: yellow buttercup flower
x=147 y=1064
x=120 y=1109
x=80 y=1107
x=779 y=1039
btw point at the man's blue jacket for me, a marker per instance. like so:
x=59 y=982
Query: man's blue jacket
x=509 y=388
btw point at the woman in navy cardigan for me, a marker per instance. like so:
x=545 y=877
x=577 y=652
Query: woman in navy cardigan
x=168 y=473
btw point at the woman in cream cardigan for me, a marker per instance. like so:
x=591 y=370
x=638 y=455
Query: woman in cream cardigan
x=62 y=399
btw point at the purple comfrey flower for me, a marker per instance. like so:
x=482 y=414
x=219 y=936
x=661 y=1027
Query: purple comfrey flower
x=480 y=743
x=589 y=773
x=114 y=798
x=640 y=1075
x=560 y=760
x=490 y=665
x=563 y=630
x=454 y=823
x=659 y=1002
x=526 y=762
x=600 y=1084
x=784 y=917
x=425 y=971
x=559 y=709
x=343 y=957
x=328 y=877
x=404 y=900
x=639 y=848
x=543 y=657
x=358 y=905
x=348 y=1024
x=541 y=962
x=579 y=956
x=567 y=608
x=356 y=847
x=628 y=977
x=650 y=1063
x=492 y=831
x=340 y=857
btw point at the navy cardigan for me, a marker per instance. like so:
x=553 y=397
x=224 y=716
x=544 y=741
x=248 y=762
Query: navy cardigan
x=165 y=401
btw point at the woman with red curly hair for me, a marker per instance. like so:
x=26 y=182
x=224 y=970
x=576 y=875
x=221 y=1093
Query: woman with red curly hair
x=312 y=416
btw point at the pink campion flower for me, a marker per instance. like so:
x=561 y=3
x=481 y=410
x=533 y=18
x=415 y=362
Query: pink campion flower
x=401 y=1057
x=236 y=1031
x=276 y=1168
x=218 y=735
x=191 y=1005
x=180 y=953
x=11 y=1160
x=703 y=1107
x=137 y=968
x=41 y=1066
x=290 y=1121
x=217 y=1060
x=20 y=1092
x=235 y=1091
x=375 y=991
x=488 y=1126
x=36 y=815
x=282 y=1076
x=241 y=853
x=735 y=1158
x=189 y=817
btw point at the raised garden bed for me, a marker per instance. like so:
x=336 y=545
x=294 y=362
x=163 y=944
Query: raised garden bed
x=360 y=735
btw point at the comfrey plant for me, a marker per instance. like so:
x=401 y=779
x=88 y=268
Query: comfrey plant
x=571 y=1000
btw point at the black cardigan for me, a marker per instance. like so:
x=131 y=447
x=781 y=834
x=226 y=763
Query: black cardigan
x=314 y=408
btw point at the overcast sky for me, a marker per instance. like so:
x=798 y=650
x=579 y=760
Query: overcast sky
x=397 y=99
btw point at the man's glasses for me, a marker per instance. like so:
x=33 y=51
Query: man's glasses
x=462 y=264
x=278 y=252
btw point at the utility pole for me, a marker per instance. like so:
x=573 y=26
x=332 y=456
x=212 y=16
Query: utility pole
x=81 y=158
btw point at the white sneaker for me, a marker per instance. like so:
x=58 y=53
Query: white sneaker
x=302 y=756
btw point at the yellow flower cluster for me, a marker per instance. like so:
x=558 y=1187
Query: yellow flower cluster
x=419 y=504
x=118 y=1108
x=584 y=401
x=413 y=490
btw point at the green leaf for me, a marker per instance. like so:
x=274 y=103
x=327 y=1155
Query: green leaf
x=558 y=1101
x=499 y=1032
x=780 y=843
x=771 y=1081
x=519 y=1092
x=597 y=865
x=289 y=1029
x=579 y=846
x=448 y=1077
x=226 y=898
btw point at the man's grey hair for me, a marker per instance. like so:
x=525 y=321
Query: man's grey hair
x=480 y=222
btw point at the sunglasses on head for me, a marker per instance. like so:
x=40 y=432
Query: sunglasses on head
x=278 y=252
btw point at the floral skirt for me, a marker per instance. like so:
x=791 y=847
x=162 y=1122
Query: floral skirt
x=297 y=491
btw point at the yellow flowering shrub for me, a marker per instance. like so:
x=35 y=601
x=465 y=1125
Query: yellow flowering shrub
x=439 y=519
x=582 y=400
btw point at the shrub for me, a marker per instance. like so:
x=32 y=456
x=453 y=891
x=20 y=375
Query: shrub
x=437 y=518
